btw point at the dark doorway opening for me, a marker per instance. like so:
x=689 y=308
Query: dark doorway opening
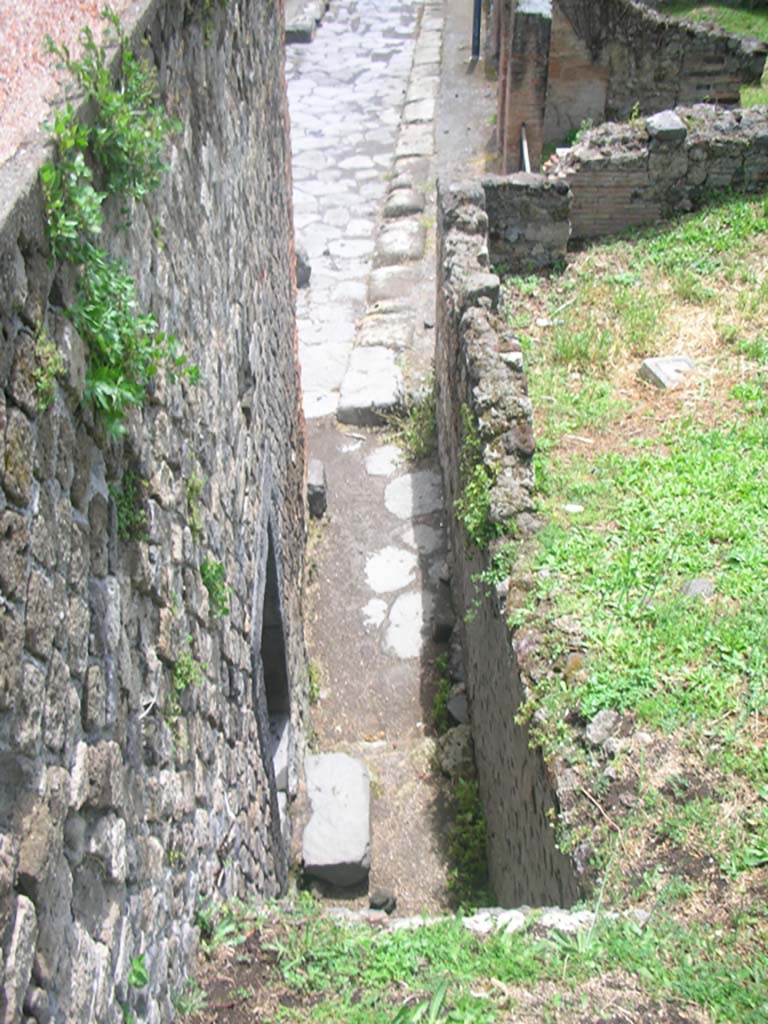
x=274 y=668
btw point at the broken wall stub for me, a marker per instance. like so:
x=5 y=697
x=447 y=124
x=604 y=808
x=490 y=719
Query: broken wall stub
x=528 y=220
x=124 y=800
x=630 y=175
x=479 y=381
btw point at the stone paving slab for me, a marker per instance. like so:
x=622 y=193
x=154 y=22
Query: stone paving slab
x=372 y=387
x=392 y=330
x=337 y=839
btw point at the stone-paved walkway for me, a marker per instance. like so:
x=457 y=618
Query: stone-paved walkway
x=362 y=102
x=346 y=91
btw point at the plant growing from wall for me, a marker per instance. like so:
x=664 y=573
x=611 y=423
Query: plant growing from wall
x=187 y=673
x=467 y=850
x=126 y=348
x=214 y=579
x=49 y=367
x=129 y=507
x=473 y=506
x=415 y=427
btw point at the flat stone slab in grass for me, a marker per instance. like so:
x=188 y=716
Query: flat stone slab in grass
x=337 y=839
x=401 y=242
x=665 y=371
x=371 y=387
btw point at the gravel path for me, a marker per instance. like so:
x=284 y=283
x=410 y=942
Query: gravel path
x=28 y=83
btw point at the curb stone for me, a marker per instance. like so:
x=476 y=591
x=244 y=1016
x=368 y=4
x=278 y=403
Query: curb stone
x=402 y=250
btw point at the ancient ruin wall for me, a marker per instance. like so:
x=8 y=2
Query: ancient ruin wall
x=479 y=380
x=630 y=175
x=115 y=820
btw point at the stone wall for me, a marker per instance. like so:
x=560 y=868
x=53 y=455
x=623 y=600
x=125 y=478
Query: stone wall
x=479 y=374
x=116 y=816
x=628 y=175
x=528 y=220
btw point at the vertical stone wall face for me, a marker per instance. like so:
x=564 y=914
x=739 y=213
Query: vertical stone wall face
x=478 y=372
x=116 y=819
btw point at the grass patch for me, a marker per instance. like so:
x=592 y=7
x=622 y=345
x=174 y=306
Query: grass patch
x=742 y=19
x=325 y=971
x=414 y=428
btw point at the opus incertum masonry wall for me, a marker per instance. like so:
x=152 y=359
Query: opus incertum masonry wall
x=117 y=816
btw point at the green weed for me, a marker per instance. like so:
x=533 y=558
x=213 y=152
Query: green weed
x=194 y=490
x=467 y=850
x=126 y=349
x=131 y=128
x=214 y=579
x=473 y=507
x=190 y=1000
x=440 y=717
x=129 y=506
x=49 y=368
x=414 y=428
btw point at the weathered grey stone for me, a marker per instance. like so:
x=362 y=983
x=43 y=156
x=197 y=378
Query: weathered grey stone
x=404 y=201
x=665 y=371
x=404 y=635
x=337 y=840
x=414 y=494
x=415 y=140
x=400 y=242
x=20 y=957
x=457 y=707
x=302 y=30
x=390 y=330
x=700 y=587
x=371 y=388
x=455 y=753
x=666 y=126
x=602 y=726
x=384 y=899
x=17 y=468
x=317 y=489
x=303 y=267
x=388 y=283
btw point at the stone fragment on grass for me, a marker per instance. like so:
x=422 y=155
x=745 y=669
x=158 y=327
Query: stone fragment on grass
x=700 y=587
x=602 y=727
x=665 y=371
